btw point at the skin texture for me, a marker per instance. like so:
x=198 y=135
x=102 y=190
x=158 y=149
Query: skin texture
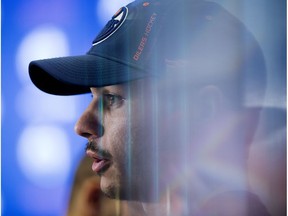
x=87 y=199
x=124 y=128
x=162 y=141
x=127 y=136
x=138 y=139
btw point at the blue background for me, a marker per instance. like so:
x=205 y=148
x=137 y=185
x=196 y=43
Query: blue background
x=42 y=193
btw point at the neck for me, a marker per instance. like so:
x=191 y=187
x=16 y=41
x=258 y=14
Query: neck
x=169 y=204
x=188 y=196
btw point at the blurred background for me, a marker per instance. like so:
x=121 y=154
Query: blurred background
x=40 y=150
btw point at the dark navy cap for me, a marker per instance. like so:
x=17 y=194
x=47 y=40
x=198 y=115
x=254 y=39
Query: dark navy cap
x=141 y=38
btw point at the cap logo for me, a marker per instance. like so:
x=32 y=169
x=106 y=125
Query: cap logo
x=145 y=37
x=112 y=26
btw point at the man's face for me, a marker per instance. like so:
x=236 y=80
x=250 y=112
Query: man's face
x=126 y=136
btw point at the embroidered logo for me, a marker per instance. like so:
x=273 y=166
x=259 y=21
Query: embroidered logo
x=145 y=37
x=112 y=26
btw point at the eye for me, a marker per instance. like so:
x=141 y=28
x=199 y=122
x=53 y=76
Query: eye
x=112 y=100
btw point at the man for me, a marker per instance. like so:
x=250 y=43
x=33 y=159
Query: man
x=167 y=126
x=86 y=197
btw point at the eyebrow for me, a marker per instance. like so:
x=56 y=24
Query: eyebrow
x=121 y=91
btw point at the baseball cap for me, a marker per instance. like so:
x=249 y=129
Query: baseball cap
x=142 y=37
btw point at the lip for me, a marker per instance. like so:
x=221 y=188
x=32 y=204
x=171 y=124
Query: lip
x=100 y=164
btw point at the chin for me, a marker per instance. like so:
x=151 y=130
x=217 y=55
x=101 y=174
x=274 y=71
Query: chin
x=113 y=189
x=117 y=184
x=109 y=188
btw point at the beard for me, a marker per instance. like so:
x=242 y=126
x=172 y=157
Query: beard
x=134 y=172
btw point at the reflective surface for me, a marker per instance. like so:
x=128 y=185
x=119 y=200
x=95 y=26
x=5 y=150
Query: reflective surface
x=40 y=151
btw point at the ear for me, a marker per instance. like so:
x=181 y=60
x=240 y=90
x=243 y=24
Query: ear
x=210 y=102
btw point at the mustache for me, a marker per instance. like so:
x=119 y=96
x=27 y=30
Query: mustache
x=92 y=146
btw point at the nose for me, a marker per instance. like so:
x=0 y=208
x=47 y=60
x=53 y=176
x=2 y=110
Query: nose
x=90 y=124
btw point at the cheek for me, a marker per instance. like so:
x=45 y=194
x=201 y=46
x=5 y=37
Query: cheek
x=115 y=136
x=124 y=139
x=133 y=139
x=131 y=135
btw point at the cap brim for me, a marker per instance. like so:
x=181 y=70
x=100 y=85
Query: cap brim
x=76 y=74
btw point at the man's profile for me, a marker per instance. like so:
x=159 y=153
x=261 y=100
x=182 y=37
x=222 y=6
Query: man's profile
x=168 y=126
